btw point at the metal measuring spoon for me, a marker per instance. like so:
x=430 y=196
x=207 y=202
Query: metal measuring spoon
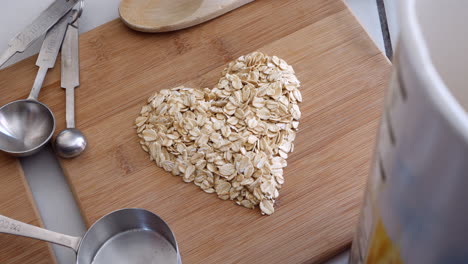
x=27 y=125
x=70 y=142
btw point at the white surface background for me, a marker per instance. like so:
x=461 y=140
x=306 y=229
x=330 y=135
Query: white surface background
x=43 y=172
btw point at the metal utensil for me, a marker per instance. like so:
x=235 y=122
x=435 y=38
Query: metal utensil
x=70 y=142
x=37 y=28
x=131 y=235
x=26 y=125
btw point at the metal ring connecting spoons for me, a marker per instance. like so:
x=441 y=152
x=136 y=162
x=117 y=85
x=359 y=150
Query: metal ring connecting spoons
x=70 y=142
x=27 y=125
x=79 y=13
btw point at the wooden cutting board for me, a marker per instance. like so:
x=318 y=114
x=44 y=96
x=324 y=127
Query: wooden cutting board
x=343 y=76
x=16 y=202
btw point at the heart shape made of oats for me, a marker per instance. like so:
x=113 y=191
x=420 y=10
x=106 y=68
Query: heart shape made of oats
x=232 y=140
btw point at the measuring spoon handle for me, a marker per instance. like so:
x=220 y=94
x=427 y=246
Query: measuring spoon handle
x=70 y=78
x=37 y=28
x=17 y=228
x=49 y=52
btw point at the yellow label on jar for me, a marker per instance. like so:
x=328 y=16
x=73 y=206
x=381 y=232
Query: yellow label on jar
x=382 y=249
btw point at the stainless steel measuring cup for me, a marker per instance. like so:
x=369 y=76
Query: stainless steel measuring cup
x=27 y=125
x=130 y=235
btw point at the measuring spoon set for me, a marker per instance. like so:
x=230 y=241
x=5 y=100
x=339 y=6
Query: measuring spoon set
x=27 y=125
x=128 y=235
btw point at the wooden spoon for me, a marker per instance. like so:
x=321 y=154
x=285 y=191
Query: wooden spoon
x=168 y=15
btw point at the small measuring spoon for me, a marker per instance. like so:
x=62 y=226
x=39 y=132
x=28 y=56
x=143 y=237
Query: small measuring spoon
x=27 y=125
x=70 y=142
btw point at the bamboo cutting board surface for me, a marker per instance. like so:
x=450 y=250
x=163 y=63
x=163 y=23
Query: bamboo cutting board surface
x=343 y=76
x=16 y=202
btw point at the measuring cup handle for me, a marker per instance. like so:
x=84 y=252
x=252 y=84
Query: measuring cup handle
x=14 y=227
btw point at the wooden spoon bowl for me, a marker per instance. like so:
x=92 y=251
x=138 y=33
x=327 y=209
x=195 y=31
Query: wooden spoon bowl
x=169 y=15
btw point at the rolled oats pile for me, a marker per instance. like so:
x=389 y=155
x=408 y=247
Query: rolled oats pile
x=232 y=140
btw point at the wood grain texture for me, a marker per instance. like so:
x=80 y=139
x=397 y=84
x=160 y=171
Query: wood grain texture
x=343 y=76
x=16 y=203
x=169 y=15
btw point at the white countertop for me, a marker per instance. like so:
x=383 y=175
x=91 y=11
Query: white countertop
x=43 y=172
